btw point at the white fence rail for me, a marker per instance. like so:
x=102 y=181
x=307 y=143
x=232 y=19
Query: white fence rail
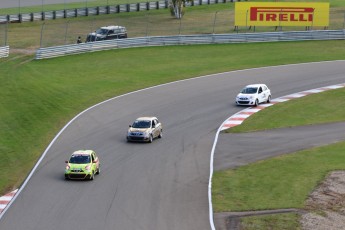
x=56 y=51
x=4 y=51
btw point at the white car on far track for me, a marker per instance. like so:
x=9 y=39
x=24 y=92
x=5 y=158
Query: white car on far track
x=253 y=95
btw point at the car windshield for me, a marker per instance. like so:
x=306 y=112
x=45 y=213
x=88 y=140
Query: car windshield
x=249 y=90
x=101 y=31
x=141 y=124
x=80 y=159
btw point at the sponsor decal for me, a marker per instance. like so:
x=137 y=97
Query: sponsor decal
x=281 y=14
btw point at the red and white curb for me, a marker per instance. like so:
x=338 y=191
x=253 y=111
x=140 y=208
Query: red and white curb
x=6 y=199
x=239 y=117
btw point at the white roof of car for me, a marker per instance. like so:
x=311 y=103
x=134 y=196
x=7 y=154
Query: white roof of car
x=82 y=152
x=111 y=27
x=255 y=85
x=145 y=118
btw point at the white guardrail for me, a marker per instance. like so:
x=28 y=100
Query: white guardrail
x=56 y=51
x=4 y=51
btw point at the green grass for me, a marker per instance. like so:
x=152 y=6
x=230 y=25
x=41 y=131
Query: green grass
x=39 y=97
x=205 y=19
x=276 y=183
x=309 y=112
x=93 y=3
x=273 y=222
x=51 y=7
x=285 y=181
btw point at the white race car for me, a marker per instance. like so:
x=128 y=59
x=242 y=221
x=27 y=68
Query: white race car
x=254 y=95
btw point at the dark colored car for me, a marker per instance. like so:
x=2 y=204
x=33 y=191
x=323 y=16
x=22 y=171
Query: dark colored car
x=107 y=33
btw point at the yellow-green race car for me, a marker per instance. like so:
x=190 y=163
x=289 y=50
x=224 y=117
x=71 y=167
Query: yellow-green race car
x=83 y=164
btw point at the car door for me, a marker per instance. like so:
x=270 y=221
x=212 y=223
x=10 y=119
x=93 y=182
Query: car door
x=95 y=161
x=158 y=127
x=261 y=95
x=110 y=35
x=154 y=128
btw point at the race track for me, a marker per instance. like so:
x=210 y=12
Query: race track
x=158 y=186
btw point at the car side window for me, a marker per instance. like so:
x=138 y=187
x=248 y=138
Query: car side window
x=260 y=90
x=92 y=157
x=153 y=124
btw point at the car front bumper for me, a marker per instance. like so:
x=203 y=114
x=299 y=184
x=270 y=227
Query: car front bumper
x=78 y=176
x=138 y=138
x=245 y=102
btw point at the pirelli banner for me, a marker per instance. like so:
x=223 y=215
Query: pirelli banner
x=281 y=14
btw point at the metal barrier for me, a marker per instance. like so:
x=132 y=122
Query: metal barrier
x=56 y=51
x=4 y=51
x=109 y=9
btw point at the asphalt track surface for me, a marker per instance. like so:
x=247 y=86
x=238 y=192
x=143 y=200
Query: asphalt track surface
x=237 y=149
x=162 y=185
x=22 y=3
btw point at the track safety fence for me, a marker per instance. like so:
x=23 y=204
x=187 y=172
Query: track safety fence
x=51 y=52
x=99 y=10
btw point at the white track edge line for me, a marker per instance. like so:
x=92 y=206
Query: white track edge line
x=336 y=86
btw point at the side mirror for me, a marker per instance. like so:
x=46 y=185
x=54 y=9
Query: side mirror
x=130 y=126
x=66 y=162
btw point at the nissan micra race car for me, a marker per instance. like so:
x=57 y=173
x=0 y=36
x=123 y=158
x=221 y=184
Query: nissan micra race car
x=145 y=129
x=254 y=95
x=83 y=164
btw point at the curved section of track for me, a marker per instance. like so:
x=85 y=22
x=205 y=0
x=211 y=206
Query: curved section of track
x=163 y=185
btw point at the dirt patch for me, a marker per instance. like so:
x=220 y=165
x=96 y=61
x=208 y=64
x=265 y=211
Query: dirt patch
x=326 y=205
x=324 y=209
x=23 y=51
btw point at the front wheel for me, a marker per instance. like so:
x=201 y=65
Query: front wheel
x=269 y=99
x=256 y=102
x=92 y=176
x=150 y=138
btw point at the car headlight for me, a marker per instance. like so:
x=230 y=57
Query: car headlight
x=88 y=168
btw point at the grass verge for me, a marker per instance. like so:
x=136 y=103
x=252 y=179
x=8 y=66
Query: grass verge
x=310 y=111
x=284 y=181
x=272 y=222
x=276 y=183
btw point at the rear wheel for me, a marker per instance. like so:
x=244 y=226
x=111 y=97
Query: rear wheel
x=98 y=170
x=160 y=134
